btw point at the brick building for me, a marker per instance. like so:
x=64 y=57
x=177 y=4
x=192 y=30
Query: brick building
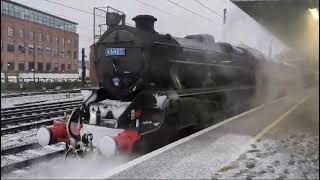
x=35 y=41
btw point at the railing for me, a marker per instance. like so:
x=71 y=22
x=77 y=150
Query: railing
x=38 y=80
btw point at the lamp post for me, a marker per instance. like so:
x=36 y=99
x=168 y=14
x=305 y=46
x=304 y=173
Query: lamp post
x=34 y=78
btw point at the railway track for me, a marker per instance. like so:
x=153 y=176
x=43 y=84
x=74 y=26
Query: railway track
x=40 y=93
x=30 y=107
x=35 y=124
x=17 y=149
x=34 y=152
x=26 y=117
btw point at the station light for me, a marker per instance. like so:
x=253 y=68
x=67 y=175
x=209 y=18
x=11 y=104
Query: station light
x=315 y=13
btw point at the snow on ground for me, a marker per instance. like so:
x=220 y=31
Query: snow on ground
x=28 y=154
x=12 y=101
x=59 y=168
x=294 y=156
x=18 y=139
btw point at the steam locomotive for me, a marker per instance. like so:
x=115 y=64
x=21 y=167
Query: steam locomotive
x=155 y=88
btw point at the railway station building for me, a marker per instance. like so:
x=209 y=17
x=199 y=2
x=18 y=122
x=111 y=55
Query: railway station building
x=35 y=42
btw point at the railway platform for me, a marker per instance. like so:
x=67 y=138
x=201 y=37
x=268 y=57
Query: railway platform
x=256 y=143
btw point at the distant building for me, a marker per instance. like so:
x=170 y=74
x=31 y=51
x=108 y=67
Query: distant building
x=33 y=41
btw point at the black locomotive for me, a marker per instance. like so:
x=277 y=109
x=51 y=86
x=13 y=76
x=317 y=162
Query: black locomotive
x=156 y=88
x=129 y=59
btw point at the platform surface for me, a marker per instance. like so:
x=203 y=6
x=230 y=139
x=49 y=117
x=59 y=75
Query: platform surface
x=200 y=155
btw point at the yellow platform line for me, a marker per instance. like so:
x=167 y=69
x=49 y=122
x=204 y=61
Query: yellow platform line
x=279 y=119
x=264 y=131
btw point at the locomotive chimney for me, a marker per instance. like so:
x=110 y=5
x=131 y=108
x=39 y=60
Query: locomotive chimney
x=145 y=22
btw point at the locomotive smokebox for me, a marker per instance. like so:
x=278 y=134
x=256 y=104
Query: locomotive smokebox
x=145 y=22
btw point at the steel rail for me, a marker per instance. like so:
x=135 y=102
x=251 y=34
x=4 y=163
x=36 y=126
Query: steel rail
x=29 y=126
x=40 y=93
x=33 y=118
x=29 y=107
x=17 y=149
x=19 y=165
x=7 y=115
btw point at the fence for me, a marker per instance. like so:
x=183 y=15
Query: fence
x=14 y=79
x=12 y=84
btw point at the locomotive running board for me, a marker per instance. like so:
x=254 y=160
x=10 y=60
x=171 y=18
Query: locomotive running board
x=187 y=62
x=203 y=91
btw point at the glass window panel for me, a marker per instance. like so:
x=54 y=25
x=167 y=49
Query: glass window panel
x=21 y=33
x=4 y=7
x=40 y=36
x=27 y=14
x=10 y=66
x=16 y=11
x=39 y=18
x=30 y=35
x=10 y=9
x=22 y=13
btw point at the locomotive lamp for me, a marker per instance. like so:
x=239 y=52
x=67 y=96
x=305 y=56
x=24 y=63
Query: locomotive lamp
x=315 y=13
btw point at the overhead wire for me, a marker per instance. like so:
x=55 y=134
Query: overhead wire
x=76 y=9
x=194 y=13
x=154 y=7
x=203 y=5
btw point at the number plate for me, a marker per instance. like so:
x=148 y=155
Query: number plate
x=115 y=51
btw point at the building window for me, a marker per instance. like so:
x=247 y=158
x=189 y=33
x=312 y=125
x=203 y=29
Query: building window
x=35 y=16
x=48 y=67
x=62 y=53
x=21 y=47
x=62 y=41
x=68 y=53
x=69 y=67
x=69 y=41
x=40 y=37
x=48 y=50
x=75 y=44
x=27 y=14
x=4 y=7
x=31 y=66
x=21 y=33
x=48 y=38
x=63 y=67
x=75 y=54
x=11 y=66
x=40 y=67
x=16 y=11
x=39 y=49
x=10 y=31
x=31 y=36
x=55 y=52
x=55 y=67
x=21 y=67
x=10 y=46
x=31 y=48
x=56 y=39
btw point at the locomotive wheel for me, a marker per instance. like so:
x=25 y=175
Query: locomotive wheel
x=143 y=145
x=72 y=155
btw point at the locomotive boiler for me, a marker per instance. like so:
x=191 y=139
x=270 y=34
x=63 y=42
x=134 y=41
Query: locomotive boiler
x=156 y=88
x=132 y=58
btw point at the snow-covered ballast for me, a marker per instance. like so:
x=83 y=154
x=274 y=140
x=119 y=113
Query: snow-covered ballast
x=109 y=126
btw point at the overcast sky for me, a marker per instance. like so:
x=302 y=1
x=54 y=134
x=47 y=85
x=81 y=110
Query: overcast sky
x=240 y=28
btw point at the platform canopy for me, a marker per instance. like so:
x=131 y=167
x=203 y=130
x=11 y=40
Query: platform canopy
x=289 y=20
